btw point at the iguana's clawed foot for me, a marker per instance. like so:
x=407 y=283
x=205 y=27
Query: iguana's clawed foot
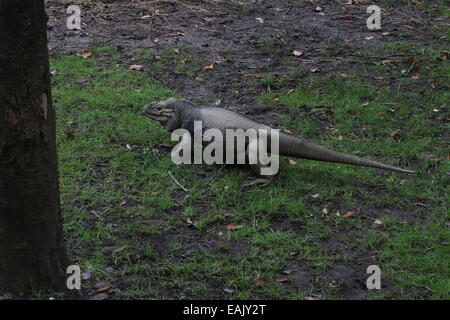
x=261 y=181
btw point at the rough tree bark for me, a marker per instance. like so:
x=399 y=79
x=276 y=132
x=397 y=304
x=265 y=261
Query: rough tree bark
x=32 y=252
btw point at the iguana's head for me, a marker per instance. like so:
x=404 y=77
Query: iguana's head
x=164 y=112
x=170 y=112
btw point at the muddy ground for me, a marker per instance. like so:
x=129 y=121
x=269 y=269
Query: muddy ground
x=236 y=38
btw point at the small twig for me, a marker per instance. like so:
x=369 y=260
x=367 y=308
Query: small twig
x=176 y=181
x=153 y=151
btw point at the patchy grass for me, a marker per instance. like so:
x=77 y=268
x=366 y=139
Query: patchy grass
x=131 y=225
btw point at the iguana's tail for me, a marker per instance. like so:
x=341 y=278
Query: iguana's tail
x=293 y=146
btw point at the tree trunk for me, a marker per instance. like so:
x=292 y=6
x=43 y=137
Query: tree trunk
x=32 y=253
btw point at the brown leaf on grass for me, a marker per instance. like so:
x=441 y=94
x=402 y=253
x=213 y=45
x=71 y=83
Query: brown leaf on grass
x=297 y=53
x=350 y=213
x=314 y=70
x=369 y=38
x=103 y=289
x=415 y=20
x=208 y=67
x=261 y=281
x=292 y=162
x=286 y=271
x=290 y=91
x=284 y=280
x=70 y=134
x=413 y=61
x=85 y=53
x=234 y=226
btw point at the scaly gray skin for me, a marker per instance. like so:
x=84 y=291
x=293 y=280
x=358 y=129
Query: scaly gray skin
x=180 y=113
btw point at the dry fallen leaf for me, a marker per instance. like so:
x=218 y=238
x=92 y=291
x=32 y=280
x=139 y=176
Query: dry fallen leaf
x=260 y=20
x=290 y=91
x=386 y=33
x=377 y=221
x=314 y=70
x=261 y=281
x=413 y=61
x=85 y=53
x=234 y=226
x=283 y=280
x=292 y=162
x=315 y=196
x=350 y=213
x=228 y=290
x=297 y=53
x=136 y=67
x=208 y=67
x=369 y=38
x=104 y=289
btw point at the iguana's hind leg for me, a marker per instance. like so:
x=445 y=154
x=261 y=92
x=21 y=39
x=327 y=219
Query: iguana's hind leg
x=257 y=168
x=260 y=179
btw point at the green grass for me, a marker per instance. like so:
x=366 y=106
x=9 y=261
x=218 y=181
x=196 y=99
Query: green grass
x=130 y=224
